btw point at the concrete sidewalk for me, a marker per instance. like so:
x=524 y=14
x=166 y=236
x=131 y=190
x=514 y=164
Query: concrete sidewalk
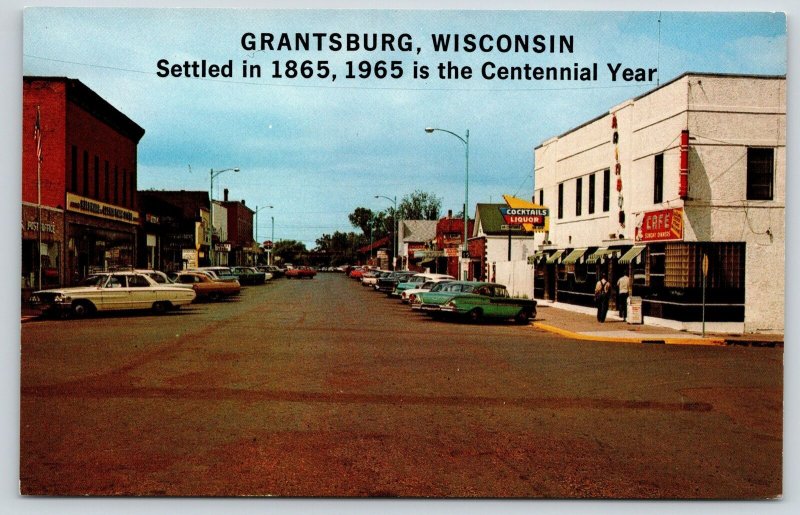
x=580 y=323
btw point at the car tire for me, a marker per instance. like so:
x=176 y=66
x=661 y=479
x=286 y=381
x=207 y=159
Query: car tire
x=475 y=316
x=82 y=308
x=522 y=317
x=161 y=307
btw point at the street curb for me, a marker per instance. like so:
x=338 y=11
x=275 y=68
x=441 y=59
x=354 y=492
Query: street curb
x=666 y=341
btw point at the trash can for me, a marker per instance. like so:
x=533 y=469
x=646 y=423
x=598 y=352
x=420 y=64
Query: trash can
x=635 y=310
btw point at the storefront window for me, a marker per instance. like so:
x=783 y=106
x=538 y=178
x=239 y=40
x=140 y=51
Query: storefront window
x=51 y=264
x=656 y=261
x=581 y=272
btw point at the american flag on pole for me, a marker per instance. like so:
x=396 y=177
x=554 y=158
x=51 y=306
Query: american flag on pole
x=37 y=134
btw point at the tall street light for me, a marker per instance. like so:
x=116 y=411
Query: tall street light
x=213 y=174
x=256 y=214
x=465 y=141
x=272 y=239
x=395 y=229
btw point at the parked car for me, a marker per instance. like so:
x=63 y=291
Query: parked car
x=112 y=291
x=490 y=300
x=371 y=278
x=408 y=296
x=207 y=288
x=356 y=273
x=389 y=283
x=431 y=302
x=220 y=273
x=276 y=271
x=156 y=275
x=417 y=280
x=301 y=272
x=248 y=275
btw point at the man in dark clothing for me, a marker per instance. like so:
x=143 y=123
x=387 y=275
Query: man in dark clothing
x=601 y=294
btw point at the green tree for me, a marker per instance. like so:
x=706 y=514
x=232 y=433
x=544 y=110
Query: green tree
x=362 y=218
x=419 y=205
x=290 y=251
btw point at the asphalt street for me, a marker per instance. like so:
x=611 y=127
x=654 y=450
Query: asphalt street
x=323 y=388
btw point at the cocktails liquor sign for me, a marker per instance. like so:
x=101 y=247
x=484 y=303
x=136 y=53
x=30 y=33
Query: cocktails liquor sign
x=536 y=218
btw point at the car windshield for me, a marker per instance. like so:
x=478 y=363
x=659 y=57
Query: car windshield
x=94 y=280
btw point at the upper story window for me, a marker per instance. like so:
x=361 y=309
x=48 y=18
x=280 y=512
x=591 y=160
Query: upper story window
x=658 y=179
x=561 y=200
x=591 y=193
x=760 y=173
x=578 y=196
x=606 y=189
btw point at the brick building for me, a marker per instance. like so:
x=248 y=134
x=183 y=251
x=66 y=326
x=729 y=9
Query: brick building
x=79 y=167
x=243 y=250
x=175 y=228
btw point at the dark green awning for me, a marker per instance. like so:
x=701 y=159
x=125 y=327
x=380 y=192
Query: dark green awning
x=536 y=257
x=574 y=256
x=555 y=256
x=631 y=254
x=599 y=254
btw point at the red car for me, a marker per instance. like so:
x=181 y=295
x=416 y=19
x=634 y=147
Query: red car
x=356 y=273
x=300 y=272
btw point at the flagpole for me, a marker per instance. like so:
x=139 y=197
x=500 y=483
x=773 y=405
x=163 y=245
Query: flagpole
x=38 y=134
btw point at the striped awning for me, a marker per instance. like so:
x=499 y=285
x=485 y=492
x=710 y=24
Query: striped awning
x=555 y=256
x=599 y=254
x=536 y=257
x=574 y=256
x=631 y=254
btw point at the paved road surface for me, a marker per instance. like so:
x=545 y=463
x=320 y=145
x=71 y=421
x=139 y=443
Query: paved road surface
x=323 y=388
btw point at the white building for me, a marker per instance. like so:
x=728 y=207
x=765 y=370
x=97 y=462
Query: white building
x=500 y=252
x=222 y=247
x=695 y=168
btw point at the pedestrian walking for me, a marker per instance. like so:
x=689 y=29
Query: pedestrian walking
x=623 y=290
x=601 y=293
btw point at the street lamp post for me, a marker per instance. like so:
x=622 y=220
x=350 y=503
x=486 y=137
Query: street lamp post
x=213 y=174
x=395 y=229
x=465 y=141
x=272 y=239
x=256 y=215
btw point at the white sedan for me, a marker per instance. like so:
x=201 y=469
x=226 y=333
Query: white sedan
x=112 y=291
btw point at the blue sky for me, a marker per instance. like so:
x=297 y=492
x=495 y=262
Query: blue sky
x=316 y=149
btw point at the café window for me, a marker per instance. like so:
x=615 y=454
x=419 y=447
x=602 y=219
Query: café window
x=760 y=173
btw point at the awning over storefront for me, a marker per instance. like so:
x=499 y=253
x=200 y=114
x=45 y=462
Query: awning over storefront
x=536 y=257
x=555 y=256
x=632 y=253
x=574 y=256
x=599 y=254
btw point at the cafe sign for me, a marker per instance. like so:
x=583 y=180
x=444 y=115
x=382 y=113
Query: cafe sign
x=662 y=225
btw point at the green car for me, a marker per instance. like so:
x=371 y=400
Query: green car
x=431 y=301
x=490 y=300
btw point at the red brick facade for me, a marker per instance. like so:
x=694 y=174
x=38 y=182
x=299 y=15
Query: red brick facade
x=87 y=178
